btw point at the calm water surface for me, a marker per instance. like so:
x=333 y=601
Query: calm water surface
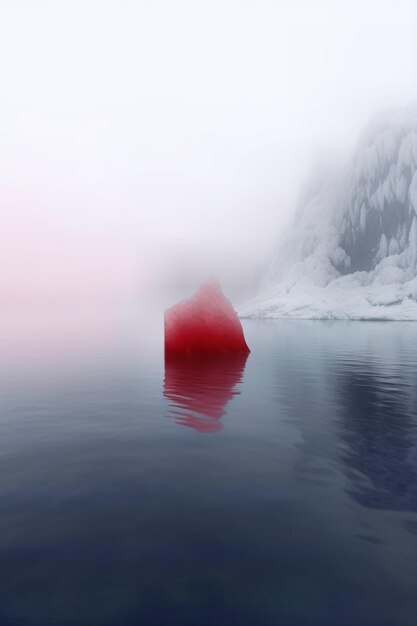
x=279 y=490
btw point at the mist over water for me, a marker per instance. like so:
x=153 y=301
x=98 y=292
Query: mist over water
x=169 y=144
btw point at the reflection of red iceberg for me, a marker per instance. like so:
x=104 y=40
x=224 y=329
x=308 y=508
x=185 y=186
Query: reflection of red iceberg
x=199 y=387
x=206 y=323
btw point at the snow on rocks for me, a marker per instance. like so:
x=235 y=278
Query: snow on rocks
x=352 y=251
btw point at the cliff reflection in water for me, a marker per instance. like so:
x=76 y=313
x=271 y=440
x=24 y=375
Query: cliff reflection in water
x=199 y=387
x=379 y=433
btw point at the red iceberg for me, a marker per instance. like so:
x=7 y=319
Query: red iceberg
x=204 y=324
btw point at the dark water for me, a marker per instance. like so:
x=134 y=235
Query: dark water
x=280 y=490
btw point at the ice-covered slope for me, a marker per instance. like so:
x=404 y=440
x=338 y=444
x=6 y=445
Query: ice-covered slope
x=352 y=249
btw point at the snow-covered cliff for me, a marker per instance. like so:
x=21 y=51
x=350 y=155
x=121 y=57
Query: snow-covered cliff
x=352 y=249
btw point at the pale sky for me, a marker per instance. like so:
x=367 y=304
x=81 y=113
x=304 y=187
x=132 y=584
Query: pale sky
x=147 y=145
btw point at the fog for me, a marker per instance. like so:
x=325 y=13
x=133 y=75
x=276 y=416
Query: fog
x=145 y=146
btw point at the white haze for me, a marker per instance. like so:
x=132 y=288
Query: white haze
x=146 y=146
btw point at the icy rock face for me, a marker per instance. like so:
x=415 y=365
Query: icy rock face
x=204 y=324
x=352 y=251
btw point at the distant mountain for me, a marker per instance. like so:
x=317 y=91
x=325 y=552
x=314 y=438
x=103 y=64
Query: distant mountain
x=352 y=249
